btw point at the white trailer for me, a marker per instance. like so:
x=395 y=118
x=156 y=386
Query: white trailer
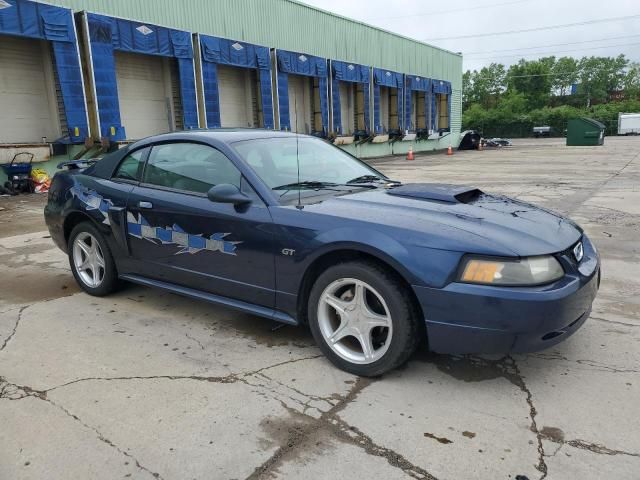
x=629 y=124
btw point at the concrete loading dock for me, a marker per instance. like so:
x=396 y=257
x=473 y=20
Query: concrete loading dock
x=121 y=97
x=350 y=93
x=302 y=93
x=41 y=90
x=142 y=75
x=237 y=83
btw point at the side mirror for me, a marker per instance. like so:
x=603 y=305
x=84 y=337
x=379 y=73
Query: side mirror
x=227 y=193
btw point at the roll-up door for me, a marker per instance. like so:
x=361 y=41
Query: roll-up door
x=346 y=107
x=421 y=112
x=413 y=121
x=28 y=105
x=300 y=103
x=361 y=96
x=145 y=92
x=384 y=108
x=237 y=97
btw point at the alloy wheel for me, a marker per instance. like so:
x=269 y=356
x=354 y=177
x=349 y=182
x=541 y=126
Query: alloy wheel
x=88 y=259
x=355 y=321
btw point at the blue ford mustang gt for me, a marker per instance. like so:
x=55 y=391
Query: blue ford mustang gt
x=290 y=228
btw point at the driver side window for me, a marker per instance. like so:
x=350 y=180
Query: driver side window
x=189 y=167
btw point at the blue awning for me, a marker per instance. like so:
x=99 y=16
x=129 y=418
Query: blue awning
x=418 y=84
x=301 y=64
x=390 y=79
x=387 y=78
x=46 y=22
x=348 y=72
x=441 y=86
x=108 y=34
x=238 y=54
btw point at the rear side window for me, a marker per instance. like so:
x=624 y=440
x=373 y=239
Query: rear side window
x=190 y=167
x=131 y=167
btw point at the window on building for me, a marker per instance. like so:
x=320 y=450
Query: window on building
x=190 y=167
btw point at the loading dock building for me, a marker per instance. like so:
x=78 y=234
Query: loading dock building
x=80 y=76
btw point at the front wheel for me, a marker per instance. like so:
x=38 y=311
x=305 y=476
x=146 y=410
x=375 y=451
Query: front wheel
x=362 y=318
x=91 y=261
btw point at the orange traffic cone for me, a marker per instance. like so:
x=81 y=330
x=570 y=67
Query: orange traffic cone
x=449 y=150
x=410 y=154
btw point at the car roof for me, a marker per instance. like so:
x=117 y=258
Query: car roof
x=105 y=167
x=224 y=135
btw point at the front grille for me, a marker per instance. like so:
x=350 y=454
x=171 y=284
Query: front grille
x=568 y=253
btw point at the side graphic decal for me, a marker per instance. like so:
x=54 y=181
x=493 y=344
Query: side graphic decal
x=138 y=227
x=92 y=201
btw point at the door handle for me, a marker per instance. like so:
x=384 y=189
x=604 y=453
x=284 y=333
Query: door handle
x=145 y=204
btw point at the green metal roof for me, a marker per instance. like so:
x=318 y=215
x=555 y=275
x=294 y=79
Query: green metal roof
x=289 y=25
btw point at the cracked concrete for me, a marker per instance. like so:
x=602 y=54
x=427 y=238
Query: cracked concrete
x=143 y=384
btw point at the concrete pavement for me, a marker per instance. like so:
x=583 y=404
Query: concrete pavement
x=144 y=384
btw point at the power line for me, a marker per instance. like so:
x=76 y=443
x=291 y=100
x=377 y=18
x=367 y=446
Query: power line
x=536 y=29
x=555 y=52
x=552 y=45
x=445 y=12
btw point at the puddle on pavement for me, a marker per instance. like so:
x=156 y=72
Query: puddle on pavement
x=285 y=432
x=260 y=330
x=270 y=334
x=32 y=284
x=552 y=433
x=470 y=369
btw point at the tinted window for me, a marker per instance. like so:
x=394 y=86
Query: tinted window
x=276 y=161
x=190 y=167
x=131 y=167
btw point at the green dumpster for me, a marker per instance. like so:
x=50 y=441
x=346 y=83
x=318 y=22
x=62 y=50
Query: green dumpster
x=584 y=132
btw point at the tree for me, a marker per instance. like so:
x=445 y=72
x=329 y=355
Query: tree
x=631 y=81
x=599 y=76
x=564 y=75
x=486 y=86
x=532 y=78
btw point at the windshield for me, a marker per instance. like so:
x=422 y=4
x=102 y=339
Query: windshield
x=275 y=160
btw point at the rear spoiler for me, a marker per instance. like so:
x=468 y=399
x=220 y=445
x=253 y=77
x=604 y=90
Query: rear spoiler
x=80 y=164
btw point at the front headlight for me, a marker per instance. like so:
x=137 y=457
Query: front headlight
x=520 y=272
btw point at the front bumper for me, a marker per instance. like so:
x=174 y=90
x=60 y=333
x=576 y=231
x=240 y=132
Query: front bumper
x=465 y=318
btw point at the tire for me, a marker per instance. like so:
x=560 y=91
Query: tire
x=383 y=296
x=106 y=278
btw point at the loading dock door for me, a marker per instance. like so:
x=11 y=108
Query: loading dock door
x=145 y=93
x=28 y=106
x=346 y=108
x=384 y=108
x=300 y=103
x=236 y=97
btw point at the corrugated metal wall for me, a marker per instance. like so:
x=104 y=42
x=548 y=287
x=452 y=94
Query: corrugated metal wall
x=288 y=25
x=456 y=111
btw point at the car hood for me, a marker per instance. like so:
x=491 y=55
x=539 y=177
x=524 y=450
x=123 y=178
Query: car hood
x=507 y=225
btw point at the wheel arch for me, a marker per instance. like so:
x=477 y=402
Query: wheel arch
x=345 y=253
x=74 y=218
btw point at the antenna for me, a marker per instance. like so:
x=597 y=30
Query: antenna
x=295 y=106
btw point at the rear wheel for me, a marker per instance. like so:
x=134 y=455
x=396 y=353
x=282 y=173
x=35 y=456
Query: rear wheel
x=91 y=261
x=362 y=318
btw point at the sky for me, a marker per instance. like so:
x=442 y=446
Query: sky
x=612 y=27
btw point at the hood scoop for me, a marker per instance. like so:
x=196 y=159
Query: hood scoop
x=439 y=192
